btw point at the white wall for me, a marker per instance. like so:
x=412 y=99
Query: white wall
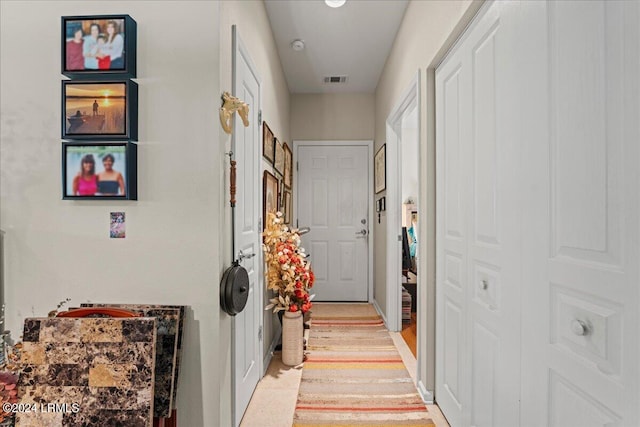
x=172 y=253
x=253 y=27
x=332 y=116
x=428 y=27
x=410 y=165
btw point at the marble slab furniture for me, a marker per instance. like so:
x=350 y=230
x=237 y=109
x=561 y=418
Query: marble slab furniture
x=104 y=366
x=181 y=323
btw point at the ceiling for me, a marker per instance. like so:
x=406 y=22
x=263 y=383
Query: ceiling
x=352 y=40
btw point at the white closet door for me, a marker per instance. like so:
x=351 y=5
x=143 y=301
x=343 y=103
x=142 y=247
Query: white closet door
x=581 y=364
x=478 y=265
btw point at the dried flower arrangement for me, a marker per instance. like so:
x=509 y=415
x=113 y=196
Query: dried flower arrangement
x=288 y=272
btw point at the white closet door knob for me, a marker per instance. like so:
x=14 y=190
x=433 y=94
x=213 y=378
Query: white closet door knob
x=579 y=327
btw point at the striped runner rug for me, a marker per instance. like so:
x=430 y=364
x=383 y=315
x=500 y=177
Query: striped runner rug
x=353 y=374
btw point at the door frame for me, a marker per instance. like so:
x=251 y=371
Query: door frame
x=239 y=48
x=409 y=101
x=367 y=143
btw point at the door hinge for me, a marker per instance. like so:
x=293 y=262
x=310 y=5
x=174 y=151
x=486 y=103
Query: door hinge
x=297 y=166
x=297 y=225
x=399 y=238
x=260 y=117
x=260 y=333
x=260 y=225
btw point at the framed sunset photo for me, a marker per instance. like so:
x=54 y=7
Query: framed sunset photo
x=99 y=110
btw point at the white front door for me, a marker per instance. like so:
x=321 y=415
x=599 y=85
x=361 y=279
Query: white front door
x=333 y=200
x=246 y=336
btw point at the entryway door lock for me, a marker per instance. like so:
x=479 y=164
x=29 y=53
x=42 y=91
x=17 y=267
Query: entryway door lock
x=362 y=232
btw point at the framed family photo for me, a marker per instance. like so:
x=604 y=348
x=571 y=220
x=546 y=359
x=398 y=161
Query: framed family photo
x=100 y=110
x=103 y=45
x=97 y=170
x=379 y=169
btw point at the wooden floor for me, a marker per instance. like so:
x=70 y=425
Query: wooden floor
x=409 y=333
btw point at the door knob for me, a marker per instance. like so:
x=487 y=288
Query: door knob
x=242 y=255
x=362 y=232
x=580 y=328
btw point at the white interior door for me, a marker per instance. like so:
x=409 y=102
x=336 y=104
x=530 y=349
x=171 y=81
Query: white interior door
x=581 y=278
x=246 y=336
x=333 y=200
x=538 y=310
x=478 y=240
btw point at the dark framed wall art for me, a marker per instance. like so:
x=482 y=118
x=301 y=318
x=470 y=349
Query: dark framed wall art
x=288 y=166
x=380 y=169
x=269 y=195
x=103 y=45
x=268 y=141
x=100 y=110
x=99 y=170
x=278 y=162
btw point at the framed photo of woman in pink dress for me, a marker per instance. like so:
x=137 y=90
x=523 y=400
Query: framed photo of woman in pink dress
x=99 y=170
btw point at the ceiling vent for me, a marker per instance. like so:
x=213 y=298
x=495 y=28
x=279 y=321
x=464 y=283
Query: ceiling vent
x=335 y=79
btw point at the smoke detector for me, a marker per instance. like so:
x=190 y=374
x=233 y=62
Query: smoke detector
x=336 y=79
x=297 y=45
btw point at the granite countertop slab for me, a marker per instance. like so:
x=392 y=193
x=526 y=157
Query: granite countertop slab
x=105 y=367
x=170 y=332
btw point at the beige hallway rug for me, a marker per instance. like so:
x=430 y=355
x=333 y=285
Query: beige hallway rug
x=353 y=374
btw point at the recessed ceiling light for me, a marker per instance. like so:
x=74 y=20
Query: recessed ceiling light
x=297 y=45
x=335 y=3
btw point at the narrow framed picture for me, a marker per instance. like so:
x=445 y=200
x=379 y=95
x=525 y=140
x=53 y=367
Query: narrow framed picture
x=100 y=110
x=269 y=195
x=287 y=207
x=288 y=166
x=278 y=163
x=98 y=46
x=379 y=168
x=267 y=143
x=99 y=170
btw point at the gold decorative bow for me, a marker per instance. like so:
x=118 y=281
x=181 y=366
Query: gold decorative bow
x=230 y=105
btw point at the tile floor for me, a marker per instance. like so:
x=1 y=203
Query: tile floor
x=273 y=403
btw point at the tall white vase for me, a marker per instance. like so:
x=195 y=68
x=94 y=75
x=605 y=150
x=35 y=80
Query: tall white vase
x=292 y=339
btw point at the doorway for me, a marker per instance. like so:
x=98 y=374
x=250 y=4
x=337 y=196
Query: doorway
x=333 y=181
x=405 y=186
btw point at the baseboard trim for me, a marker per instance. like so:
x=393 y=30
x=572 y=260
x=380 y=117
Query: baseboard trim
x=377 y=307
x=267 y=358
x=427 y=396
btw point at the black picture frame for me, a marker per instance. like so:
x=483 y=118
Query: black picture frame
x=122 y=67
x=73 y=156
x=86 y=123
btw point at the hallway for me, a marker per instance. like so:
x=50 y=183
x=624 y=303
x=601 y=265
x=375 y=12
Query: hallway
x=274 y=400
